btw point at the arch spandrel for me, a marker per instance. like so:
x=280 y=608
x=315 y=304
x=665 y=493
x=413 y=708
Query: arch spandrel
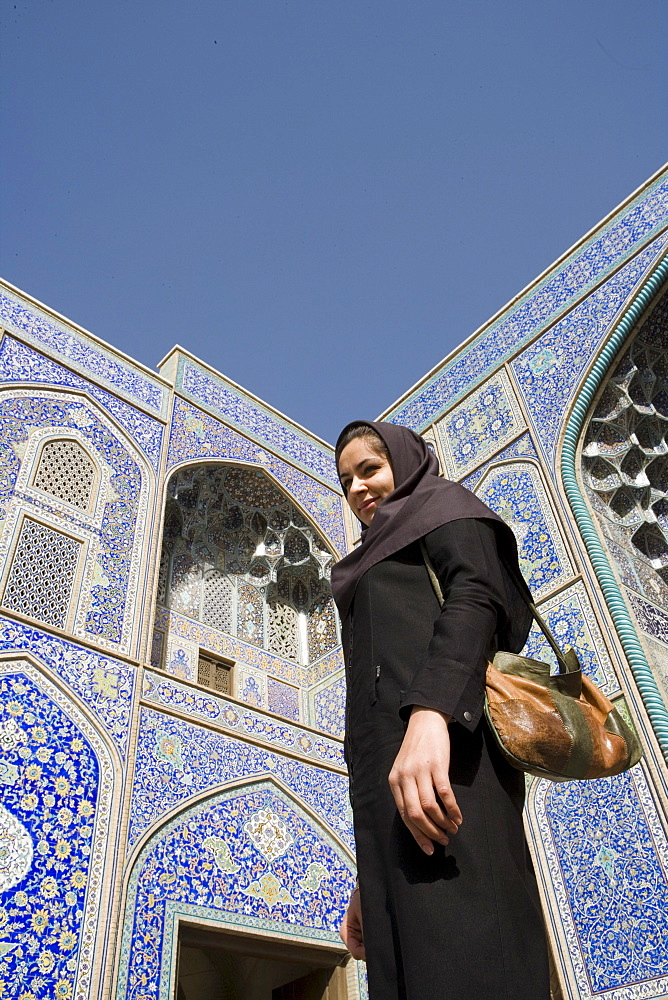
x=247 y=858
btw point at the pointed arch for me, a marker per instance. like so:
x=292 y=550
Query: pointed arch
x=626 y=629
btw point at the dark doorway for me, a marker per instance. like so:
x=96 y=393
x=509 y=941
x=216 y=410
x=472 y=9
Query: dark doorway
x=214 y=965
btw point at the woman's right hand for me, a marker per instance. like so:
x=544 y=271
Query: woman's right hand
x=351 y=927
x=420 y=780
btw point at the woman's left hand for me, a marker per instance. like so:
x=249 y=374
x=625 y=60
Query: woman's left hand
x=420 y=780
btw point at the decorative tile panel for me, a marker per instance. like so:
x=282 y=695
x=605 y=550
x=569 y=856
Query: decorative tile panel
x=522 y=448
x=235 y=407
x=572 y=621
x=82 y=353
x=105 y=684
x=249 y=858
x=108 y=595
x=181 y=658
x=19 y=363
x=251 y=686
x=516 y=493
x=658 y=660
x=195 y=436
x=329 y=706
x=549 y=370
x=480 y=426
x=233 y=648
x=208 y=759
x=540 y=306
x=57 y=787
x=240 y=721
x=602 y=846
x=283 y=699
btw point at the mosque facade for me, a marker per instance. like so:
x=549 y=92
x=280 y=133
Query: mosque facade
x=174 y=818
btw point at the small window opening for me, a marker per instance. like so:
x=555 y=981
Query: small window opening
x=215 y=673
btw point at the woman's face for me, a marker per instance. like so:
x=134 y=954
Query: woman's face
x=366 y=478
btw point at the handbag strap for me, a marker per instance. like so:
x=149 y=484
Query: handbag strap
x=521 y=585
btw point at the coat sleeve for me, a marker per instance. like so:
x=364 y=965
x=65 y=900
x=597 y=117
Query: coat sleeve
x=451 y=676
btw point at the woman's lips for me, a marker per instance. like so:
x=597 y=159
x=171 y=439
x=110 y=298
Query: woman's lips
x=368 y=503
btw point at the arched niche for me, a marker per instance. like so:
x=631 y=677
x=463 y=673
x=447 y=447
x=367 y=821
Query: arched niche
x=239 y=556
x=250 y=859
x=624 y=457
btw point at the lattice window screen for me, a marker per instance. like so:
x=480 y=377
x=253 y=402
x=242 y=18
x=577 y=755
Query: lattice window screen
x=217 y=608
x=283 y=630
x=42 y=574
x=65 y=471
x=214 y=675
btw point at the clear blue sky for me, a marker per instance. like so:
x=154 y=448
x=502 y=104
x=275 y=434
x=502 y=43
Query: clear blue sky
x=320 y=199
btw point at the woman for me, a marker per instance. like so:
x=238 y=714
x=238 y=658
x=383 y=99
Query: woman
x=447 y=906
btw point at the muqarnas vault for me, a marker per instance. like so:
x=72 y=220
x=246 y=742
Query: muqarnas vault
x=174 y=817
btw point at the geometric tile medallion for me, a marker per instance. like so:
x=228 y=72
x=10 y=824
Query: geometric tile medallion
x=516 y=493
x=480 y=425
x=249 y=858
x=602 y=849
x=572 y=621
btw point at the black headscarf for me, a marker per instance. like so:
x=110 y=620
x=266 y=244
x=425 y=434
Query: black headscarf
x=421 y=502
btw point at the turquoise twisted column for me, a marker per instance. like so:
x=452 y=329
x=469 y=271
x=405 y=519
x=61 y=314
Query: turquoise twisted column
x=649 y=692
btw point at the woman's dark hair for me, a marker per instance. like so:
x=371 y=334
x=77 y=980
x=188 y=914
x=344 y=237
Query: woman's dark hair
x=361 y=430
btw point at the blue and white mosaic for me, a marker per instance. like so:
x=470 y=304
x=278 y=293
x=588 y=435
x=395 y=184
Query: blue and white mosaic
x=81 y=352
x=248 y=857
x=572 y=621
x=539 y=307
x=207 y=760
x=550 y=370
x=103 y=683
x=607 y=856
x=516 y=493
x=283 y=699
x=195 y=436
x=240 y=720
x=19 y=363
x=328 y=710
x=480 y=426
x=522 y=448
x=249 y=416
x=57 y=785
x=112 y=587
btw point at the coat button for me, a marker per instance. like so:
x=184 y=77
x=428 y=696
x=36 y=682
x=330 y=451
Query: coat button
x=378 y=673
x=468 y=716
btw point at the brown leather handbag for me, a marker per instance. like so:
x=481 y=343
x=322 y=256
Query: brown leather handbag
x=557 y=726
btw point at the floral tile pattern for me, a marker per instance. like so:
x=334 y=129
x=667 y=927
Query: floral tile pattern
x=249 y=416
x=208 y=759
x=480 y=426
x=559 y=290
x=19 y=363
x=550 y=369
x=246 y=857
x=329 y=706
x=104 y=683
x=570 y=618
x=56 y=795
x=605 y=850
x=116 y=535
x=283 y=699
x=515 y=492
x=81 y=352
x=234 y=718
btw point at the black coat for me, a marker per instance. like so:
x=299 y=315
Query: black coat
x=465 y=923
